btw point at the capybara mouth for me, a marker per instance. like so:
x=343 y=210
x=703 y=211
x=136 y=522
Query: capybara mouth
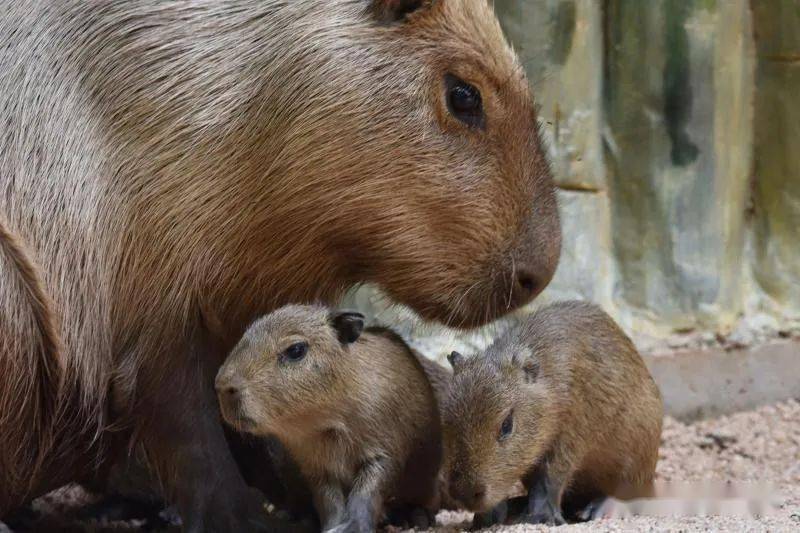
x=237 y=420
x=232 y=414
x=245 y=423
x=475 y=307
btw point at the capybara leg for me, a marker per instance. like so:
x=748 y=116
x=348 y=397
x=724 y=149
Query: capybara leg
x=365 y=500
x=330 y=504
x=186 y=444
x=267 y=466
x=544 y=497
x=361 y=513
x=200 y=474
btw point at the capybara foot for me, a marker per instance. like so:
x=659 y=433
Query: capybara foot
x=410 y=516
x=596 y=509
x=544 y=514
x=22 y=519
x=497 y=515
x=352 y=525
x=117 y=508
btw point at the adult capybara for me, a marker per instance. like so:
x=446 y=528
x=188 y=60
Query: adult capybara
x=175 y=169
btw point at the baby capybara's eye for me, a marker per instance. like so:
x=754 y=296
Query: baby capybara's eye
x=295 y=352
x=507 y=427
x=464 y=101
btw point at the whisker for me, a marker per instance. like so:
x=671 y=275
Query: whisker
x=511 y=283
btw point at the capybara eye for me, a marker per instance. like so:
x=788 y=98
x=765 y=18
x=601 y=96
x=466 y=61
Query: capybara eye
x=507 y=427
x=295 y=352
x=464 y=101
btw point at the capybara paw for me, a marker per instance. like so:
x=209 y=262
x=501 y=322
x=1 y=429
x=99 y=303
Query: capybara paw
x=411 y=517
x=597 y=509
x=549 y=517
x=497 y=515
x=351 y=526
x=345 y=527
x=115 y=507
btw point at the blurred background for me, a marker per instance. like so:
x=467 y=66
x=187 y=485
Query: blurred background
x=673 y=128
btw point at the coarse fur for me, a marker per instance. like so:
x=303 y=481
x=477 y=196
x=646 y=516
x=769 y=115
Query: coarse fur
x=177 y=169
x=29 y=329
x=586 y=414
x=358 y=416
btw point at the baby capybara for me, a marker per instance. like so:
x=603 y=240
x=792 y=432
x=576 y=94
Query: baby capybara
x=354 y=410
x=564 y=403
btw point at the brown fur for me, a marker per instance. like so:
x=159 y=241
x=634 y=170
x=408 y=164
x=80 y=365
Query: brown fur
x=585 y=409
x=343 y=408
x=28 y=329
x=168 y=163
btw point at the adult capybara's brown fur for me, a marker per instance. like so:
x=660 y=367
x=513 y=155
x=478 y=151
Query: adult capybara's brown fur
x=355 y=411
x=562 y=402
x=28 y=328
x=177 y=169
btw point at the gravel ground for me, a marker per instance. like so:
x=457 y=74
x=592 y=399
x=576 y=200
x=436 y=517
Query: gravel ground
x=755 y=446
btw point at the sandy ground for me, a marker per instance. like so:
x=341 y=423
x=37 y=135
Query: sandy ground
x=754 y=446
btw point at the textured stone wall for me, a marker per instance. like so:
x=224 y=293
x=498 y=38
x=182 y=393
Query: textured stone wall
x=673 y=128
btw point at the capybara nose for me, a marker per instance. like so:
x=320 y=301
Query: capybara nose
x=527 y=286
x=231 y=392
x=229 y=388
x=473 y=498
x=477 y=495
x=471 y=495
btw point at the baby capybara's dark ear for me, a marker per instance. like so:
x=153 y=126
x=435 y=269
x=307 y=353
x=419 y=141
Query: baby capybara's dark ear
x=388 y=11
x=455 y=359
x=528 y=364
x=348 y=325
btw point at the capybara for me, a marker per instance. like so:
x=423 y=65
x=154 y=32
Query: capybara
x=353 y=407
x=176 y=169
x=562 y=402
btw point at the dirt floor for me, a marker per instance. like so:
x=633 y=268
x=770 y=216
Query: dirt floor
x=756 y=446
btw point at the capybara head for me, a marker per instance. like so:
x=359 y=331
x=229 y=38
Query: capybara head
x=495 y=425
x=417 y=142
x=274 y=377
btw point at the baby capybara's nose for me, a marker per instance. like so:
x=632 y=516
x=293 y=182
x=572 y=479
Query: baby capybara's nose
x=229 y=389
x=469 y=494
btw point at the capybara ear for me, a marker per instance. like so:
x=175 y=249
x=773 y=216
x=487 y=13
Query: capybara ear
x=531 y=369
x=388 y=11
x=528 y=364
x=455 y=359
x=348 y=325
